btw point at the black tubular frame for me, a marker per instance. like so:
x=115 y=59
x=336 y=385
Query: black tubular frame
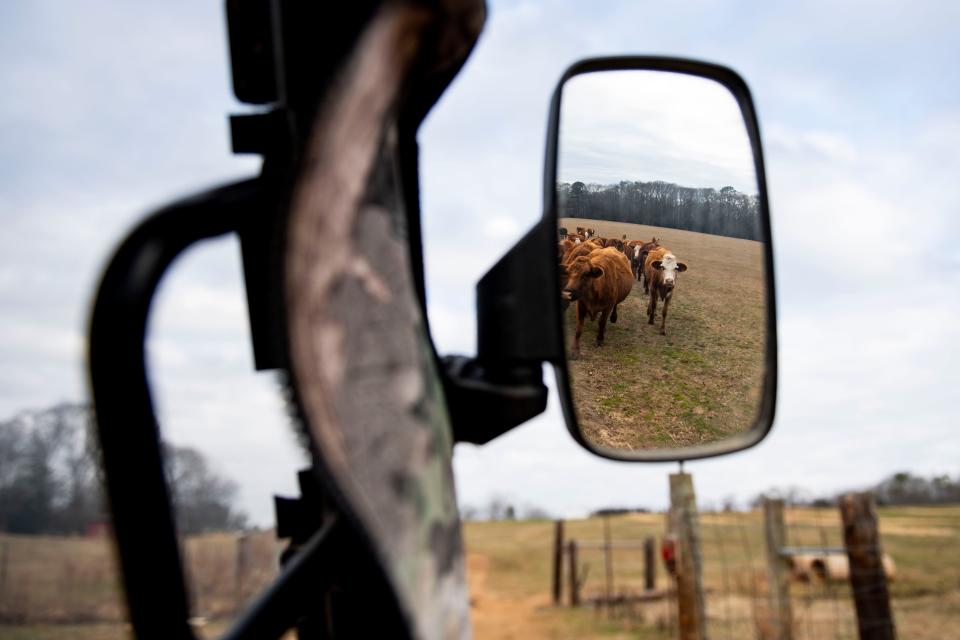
x=132 y=456
x=738 y=87
x=127 y=426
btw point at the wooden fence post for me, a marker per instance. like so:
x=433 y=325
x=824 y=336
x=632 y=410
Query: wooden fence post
x=4 y=568
x=557 y=561
x=649 y=563
x=778 y=576
x=691 y=609
x=574 y=578
x=868 y=581
x=242 y=564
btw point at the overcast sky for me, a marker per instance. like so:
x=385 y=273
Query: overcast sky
x=110 y=109
x=651 y=125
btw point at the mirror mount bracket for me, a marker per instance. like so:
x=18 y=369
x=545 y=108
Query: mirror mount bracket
x=516 y=333
x=487 y=401
x=518 y=303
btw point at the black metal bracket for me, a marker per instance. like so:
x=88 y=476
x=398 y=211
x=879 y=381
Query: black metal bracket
x=486 y=403
x=517 y=332
x=518 y=306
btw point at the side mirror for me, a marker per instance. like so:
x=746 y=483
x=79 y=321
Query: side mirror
x=655 y=189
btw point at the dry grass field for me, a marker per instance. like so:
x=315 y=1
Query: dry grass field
x=66 y=587
x=699 y=383
x=509 y=572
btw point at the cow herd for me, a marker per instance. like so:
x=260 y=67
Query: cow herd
x=598 y=274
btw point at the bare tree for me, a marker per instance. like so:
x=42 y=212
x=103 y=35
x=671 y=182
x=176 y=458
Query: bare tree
x=202 y=499
x=51 y=477
x=47 y=473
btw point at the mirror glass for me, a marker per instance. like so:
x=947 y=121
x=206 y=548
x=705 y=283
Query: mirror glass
x=662 y=260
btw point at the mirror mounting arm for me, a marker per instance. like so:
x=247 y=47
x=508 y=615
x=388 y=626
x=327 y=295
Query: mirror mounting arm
x=485 y=403
x=518 y=302
x=517 y=305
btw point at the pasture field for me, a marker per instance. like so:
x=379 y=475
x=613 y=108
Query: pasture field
x=67 y=588
x=699 y=383
x=509 y=572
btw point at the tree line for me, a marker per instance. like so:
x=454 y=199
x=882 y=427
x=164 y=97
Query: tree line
x=51 y=479
x=499 y=508
x=902 y=488
x=726 y=212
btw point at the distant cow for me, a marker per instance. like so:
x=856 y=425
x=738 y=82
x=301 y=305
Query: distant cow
x=586 y=232
x=661 y=271
x=598 y=282
x=640 y=260
x=563 y=232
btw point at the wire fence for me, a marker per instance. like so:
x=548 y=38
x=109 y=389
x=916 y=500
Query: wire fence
x=739 y=575
x=60 y=580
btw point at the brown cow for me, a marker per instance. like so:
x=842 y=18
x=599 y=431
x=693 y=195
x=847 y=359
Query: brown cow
x=616 y=243
x=661 y=271
x=582 y=249
x=598 y=282
x=640 y=260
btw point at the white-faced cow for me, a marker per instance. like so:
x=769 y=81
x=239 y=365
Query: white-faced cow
x=661 y=270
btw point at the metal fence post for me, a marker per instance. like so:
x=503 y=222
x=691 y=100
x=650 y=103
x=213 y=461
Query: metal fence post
x=779 y=578
x=574 y=578
x=607 y=563
x=649 y=564
x=557 y=561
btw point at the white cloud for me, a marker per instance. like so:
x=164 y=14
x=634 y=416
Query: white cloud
x=650 y=125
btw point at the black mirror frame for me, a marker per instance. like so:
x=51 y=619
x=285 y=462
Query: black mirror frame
x=738 y=87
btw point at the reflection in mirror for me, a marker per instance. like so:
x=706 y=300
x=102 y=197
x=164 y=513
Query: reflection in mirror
x=661 y=260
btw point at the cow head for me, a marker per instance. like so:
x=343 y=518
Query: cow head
x=669 y=268
x=580 y=273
